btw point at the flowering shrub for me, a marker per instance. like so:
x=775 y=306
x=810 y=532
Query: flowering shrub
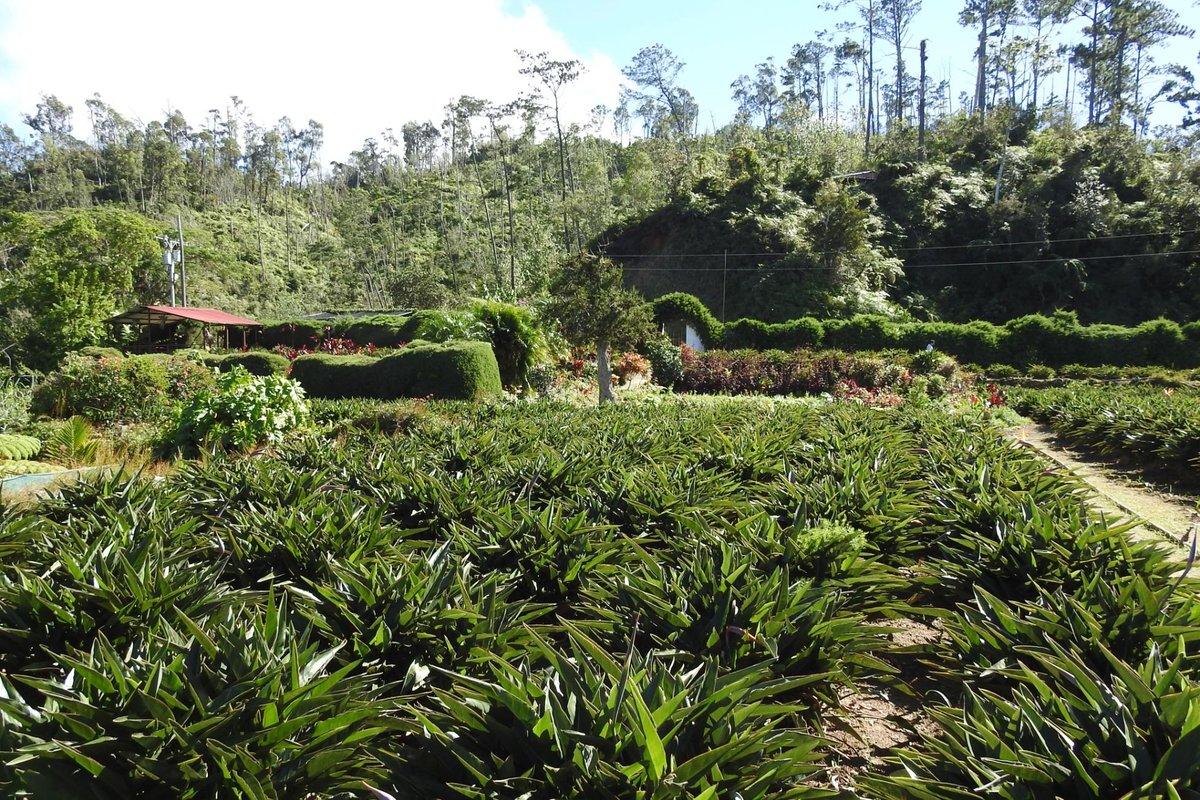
x=848 y=391
x=628 y=365
x=244 y=411
x=995 y=396
x=330 y=346
x=120 y=389
x=186 y=379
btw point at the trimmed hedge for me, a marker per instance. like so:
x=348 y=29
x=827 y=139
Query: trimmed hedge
x=688 y=307
x=1036 y=339
x=259 y=363
x=337 y=377
x=757 y=335
x=382 y=330
x=451 y=371
x=513 y=332
x=292 y=333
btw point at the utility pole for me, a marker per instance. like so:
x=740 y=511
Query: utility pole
x=172 y=255
x=724 y=279
x=182 y=264
x=921 y=106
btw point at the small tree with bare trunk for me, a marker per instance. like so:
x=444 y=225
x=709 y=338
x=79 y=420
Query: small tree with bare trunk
x=592 y=306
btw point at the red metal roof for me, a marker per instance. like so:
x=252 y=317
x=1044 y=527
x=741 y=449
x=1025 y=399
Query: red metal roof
x=210 y=316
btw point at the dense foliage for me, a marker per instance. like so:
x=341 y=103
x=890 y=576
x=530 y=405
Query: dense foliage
x=121 y=389
x=655 y=600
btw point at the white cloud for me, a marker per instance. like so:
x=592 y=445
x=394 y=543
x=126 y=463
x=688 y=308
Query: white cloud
x=357 y=66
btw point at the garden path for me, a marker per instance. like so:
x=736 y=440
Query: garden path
x=1166 y=518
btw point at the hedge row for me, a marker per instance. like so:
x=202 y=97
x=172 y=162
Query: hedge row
x=1054 y=341
x=255 y=362
x=451 y=371
x=516 y=339
x=381 y=330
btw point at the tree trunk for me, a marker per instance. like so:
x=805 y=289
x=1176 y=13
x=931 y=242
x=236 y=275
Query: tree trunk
x=1094 y=62
x=981 y=75
x=870 y=76
x=921 y=107
x=562 y=177
x=603 y=371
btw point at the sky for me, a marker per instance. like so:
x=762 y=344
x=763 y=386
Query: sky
x=361 y=67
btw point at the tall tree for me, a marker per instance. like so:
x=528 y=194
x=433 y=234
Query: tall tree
x=495 y=114
x=868 y=24
x=552 y=76
x=655 y=72
x=1135 y=26
x=420 y=145
x=759 y=95
x=805 y=74
x=465 y=109
x=991 y=17
x=849 y=58
x=73 y=271
x=896 y=17
x=1043 y=16
x=54 y=171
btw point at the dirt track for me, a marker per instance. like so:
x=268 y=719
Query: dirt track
x=1164 y=518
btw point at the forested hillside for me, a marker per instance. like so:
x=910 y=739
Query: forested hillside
x=844 y=184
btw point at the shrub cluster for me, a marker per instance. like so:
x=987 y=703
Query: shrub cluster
x=122 y=388
x=243 y=411
x=1036 y=339
x=451 y=371
x=666 y=361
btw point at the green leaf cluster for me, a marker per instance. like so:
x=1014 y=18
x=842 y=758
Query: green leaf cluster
x=1156 y=429
x=652 y=600
x=17 y=447
x=244 y=411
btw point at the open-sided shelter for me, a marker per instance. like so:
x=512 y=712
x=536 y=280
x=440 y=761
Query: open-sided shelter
x=159 y=327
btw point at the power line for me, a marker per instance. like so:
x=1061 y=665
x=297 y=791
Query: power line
x=918 y=249
x=1046 y=241
x=1016 y=262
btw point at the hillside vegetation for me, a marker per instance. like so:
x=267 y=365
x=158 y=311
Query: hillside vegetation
x=1018 y=203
